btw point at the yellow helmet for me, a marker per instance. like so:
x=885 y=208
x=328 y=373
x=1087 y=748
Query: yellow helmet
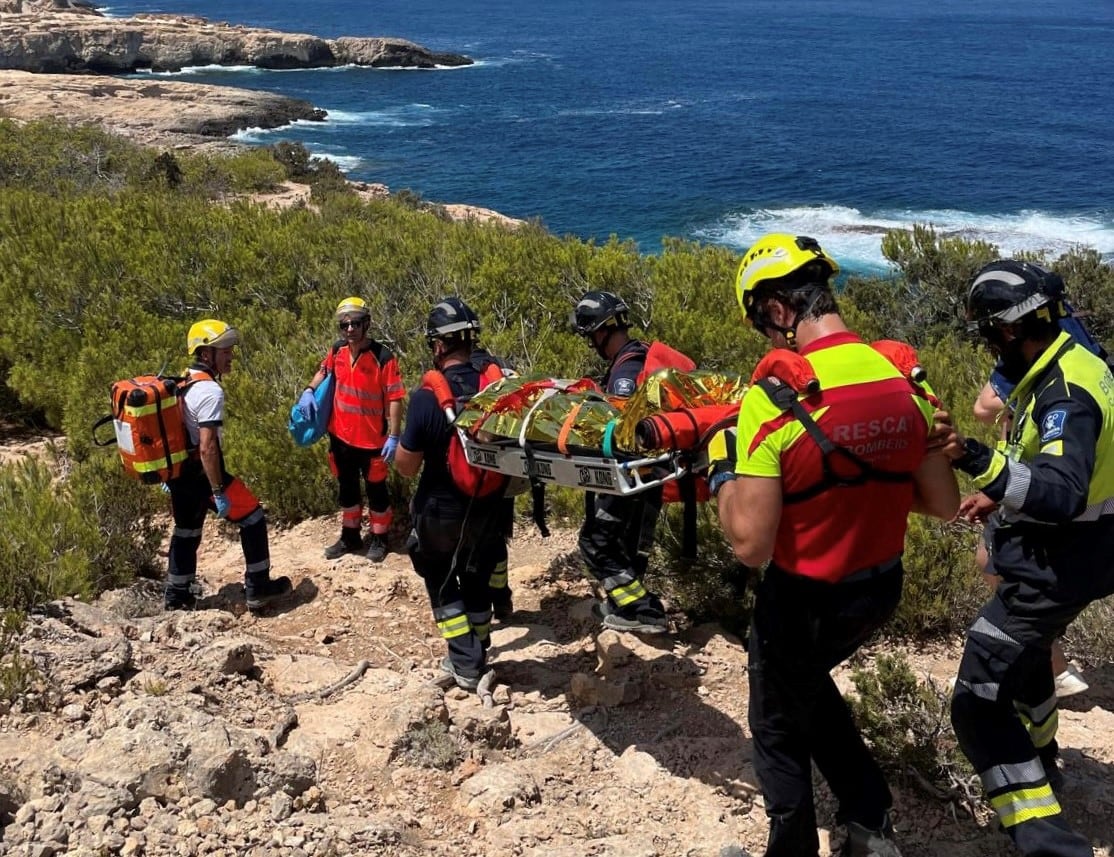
x=353 y=307
x=212 y=333
x=777 y=256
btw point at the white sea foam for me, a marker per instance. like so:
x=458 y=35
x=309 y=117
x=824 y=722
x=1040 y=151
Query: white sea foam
x=516 y=58
x=202 y=69
x=347 y=163
x=256 y=136
x=855 y=238
x=415 y=115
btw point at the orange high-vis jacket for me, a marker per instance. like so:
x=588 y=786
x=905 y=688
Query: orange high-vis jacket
x=362 y=393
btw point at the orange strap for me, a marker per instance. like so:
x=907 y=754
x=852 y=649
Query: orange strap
x=566 y=427
x=438 y=384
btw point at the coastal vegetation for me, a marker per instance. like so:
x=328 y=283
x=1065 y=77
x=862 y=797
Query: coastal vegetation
x=108 y=251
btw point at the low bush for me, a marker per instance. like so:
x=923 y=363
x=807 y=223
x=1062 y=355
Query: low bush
x=110 y=252
x=907 y=724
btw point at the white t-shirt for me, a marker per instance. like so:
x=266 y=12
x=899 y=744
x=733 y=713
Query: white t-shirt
x=203 y=405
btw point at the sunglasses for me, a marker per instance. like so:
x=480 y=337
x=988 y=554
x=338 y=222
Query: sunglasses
x=346 y=325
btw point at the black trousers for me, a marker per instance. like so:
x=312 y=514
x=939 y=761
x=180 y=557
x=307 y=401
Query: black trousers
x=494 y=554
x=454 y=547
x=615 y=543
x=800 y=630
x=191 y=500
x=354 y=466
x=1004 y=709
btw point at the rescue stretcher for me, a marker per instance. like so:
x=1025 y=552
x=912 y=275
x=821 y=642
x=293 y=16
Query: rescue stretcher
x=589 y=472
x=609 y=469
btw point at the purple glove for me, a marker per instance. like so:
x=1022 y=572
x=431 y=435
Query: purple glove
x=307 y=404
x=223 y=504
x=389 y=448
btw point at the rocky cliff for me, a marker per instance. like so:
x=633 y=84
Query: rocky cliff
x=156 y=112
x=56 y=57
x=60 y=38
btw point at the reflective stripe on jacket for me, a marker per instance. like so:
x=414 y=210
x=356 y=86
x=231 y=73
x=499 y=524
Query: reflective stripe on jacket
x=363 y=391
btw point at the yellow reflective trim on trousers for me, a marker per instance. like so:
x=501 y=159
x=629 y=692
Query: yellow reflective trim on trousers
x=1041 y=735
x=482 y=631
x=457 y=626
x=624 y=595
x=146 y=410
x=159 y=464
x=498 y=579
x=1023 y=805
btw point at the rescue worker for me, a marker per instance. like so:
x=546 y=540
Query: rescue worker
x=1052 y=485
x=618 y=532
x=206 y=485
x=990 y=407
x=363 y=428
x=817 y=487
x=455 y=538
x=499 y=585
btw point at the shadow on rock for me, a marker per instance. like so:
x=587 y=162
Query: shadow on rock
x=231 y=597
x=648 y=699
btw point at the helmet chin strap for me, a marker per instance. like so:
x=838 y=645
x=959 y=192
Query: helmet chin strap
x=763 y=320
x=601 y=346
x=207 y=365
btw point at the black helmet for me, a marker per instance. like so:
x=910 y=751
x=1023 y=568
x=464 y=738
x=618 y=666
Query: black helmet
x=597 y=309
x=1006 y=291
x=451 y=315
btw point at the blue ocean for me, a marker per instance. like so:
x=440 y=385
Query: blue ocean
x=719 y=120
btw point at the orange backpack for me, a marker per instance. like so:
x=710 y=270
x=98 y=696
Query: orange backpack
x=470 y=480
x=658 y=356
x=150 y=430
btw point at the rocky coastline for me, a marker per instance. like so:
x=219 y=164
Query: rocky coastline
x=61 y=58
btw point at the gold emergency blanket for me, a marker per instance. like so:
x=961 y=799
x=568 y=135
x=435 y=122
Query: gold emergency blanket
x=576 y=415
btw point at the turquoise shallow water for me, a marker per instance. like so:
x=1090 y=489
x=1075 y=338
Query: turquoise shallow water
x=719 y=120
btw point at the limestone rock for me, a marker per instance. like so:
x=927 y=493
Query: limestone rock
x=148 y=110
x=498 y=788
x=69 y=41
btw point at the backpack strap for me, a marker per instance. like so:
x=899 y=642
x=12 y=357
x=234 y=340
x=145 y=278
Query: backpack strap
x=786 y=399
x=905 y=359
x=640 y=351
x=383 y=355
x=435 y=381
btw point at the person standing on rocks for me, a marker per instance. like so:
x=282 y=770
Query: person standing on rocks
x=618 y=532
x=1051 y=486
x=205 y=485
x=456 y=539
x=363 y=428
x=828 y=523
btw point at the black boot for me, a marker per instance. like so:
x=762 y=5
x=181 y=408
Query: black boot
x=349 y=542
x=376 y=548
x=261 y=589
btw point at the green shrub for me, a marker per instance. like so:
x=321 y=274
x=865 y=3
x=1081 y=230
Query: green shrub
x=907 y=724
x=73 y=535
x=110 y=252
x=1088 y=638
x=17 y=674
x=428 y=744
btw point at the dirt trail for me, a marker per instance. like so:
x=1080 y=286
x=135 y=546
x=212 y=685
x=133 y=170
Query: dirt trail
x=616 y=746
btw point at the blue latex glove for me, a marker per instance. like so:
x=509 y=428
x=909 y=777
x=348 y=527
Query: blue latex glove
x=390 y=447
x=223 y=504
x=307 y=404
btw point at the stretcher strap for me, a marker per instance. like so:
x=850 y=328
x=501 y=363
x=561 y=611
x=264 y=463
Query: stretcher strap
x=608 y=434
x=537 y=487
x=566 y=427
